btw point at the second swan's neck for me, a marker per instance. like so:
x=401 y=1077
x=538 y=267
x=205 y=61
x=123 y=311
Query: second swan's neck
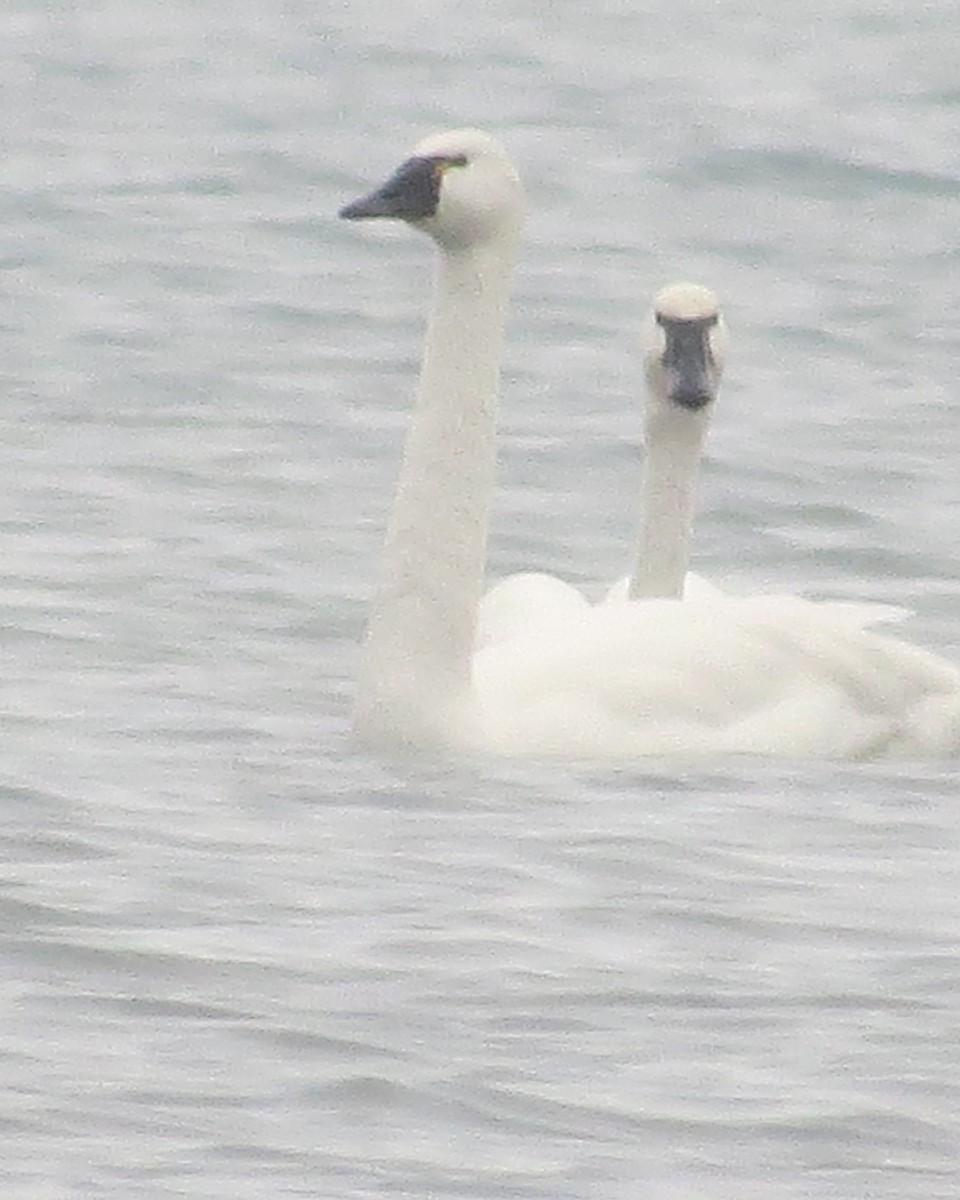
x=675 y=441
x=416 y=677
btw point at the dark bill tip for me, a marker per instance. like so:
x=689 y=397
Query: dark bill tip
x=410 y=194
x=364 y=208
x=692 y=398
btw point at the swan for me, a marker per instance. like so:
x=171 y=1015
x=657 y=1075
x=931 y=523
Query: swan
x=705 y=675
x=415 y=687
x=670 y=665
x=684 y=366
x=686 y=349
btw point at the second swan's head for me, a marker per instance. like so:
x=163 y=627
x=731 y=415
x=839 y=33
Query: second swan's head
x=687 y=346
x=458 y=186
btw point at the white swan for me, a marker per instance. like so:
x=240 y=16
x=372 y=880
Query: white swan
x=416 y=687
x=684 y=365
x=705 y=675
x=709 y=674
x=684 y=361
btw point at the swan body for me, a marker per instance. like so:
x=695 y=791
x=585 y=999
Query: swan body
x=529 y=602
x=670 y=665
x=549 y=674
x=721 y=673
x=713 y=675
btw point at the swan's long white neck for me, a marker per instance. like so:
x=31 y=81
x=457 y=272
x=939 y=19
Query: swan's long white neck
x=416 y=678
x=675 y=437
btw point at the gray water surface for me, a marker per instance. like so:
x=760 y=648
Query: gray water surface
x=241 y=959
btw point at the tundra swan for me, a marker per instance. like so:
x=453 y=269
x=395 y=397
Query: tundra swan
x=706 y=675
x=415 y=687
x=669 y=664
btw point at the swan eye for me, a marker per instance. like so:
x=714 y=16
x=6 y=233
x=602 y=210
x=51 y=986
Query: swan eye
x=443 y=163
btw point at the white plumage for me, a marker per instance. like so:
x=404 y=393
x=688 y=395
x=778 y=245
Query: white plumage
x=548 y=674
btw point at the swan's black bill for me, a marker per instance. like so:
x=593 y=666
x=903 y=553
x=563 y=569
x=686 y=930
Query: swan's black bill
x=412 y=193
x=693 y=398
x=687 y=359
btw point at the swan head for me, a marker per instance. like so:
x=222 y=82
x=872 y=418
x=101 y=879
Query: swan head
x=459 y=186
x=687 y=347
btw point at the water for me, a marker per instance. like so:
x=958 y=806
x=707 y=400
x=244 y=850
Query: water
x=241 y=959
